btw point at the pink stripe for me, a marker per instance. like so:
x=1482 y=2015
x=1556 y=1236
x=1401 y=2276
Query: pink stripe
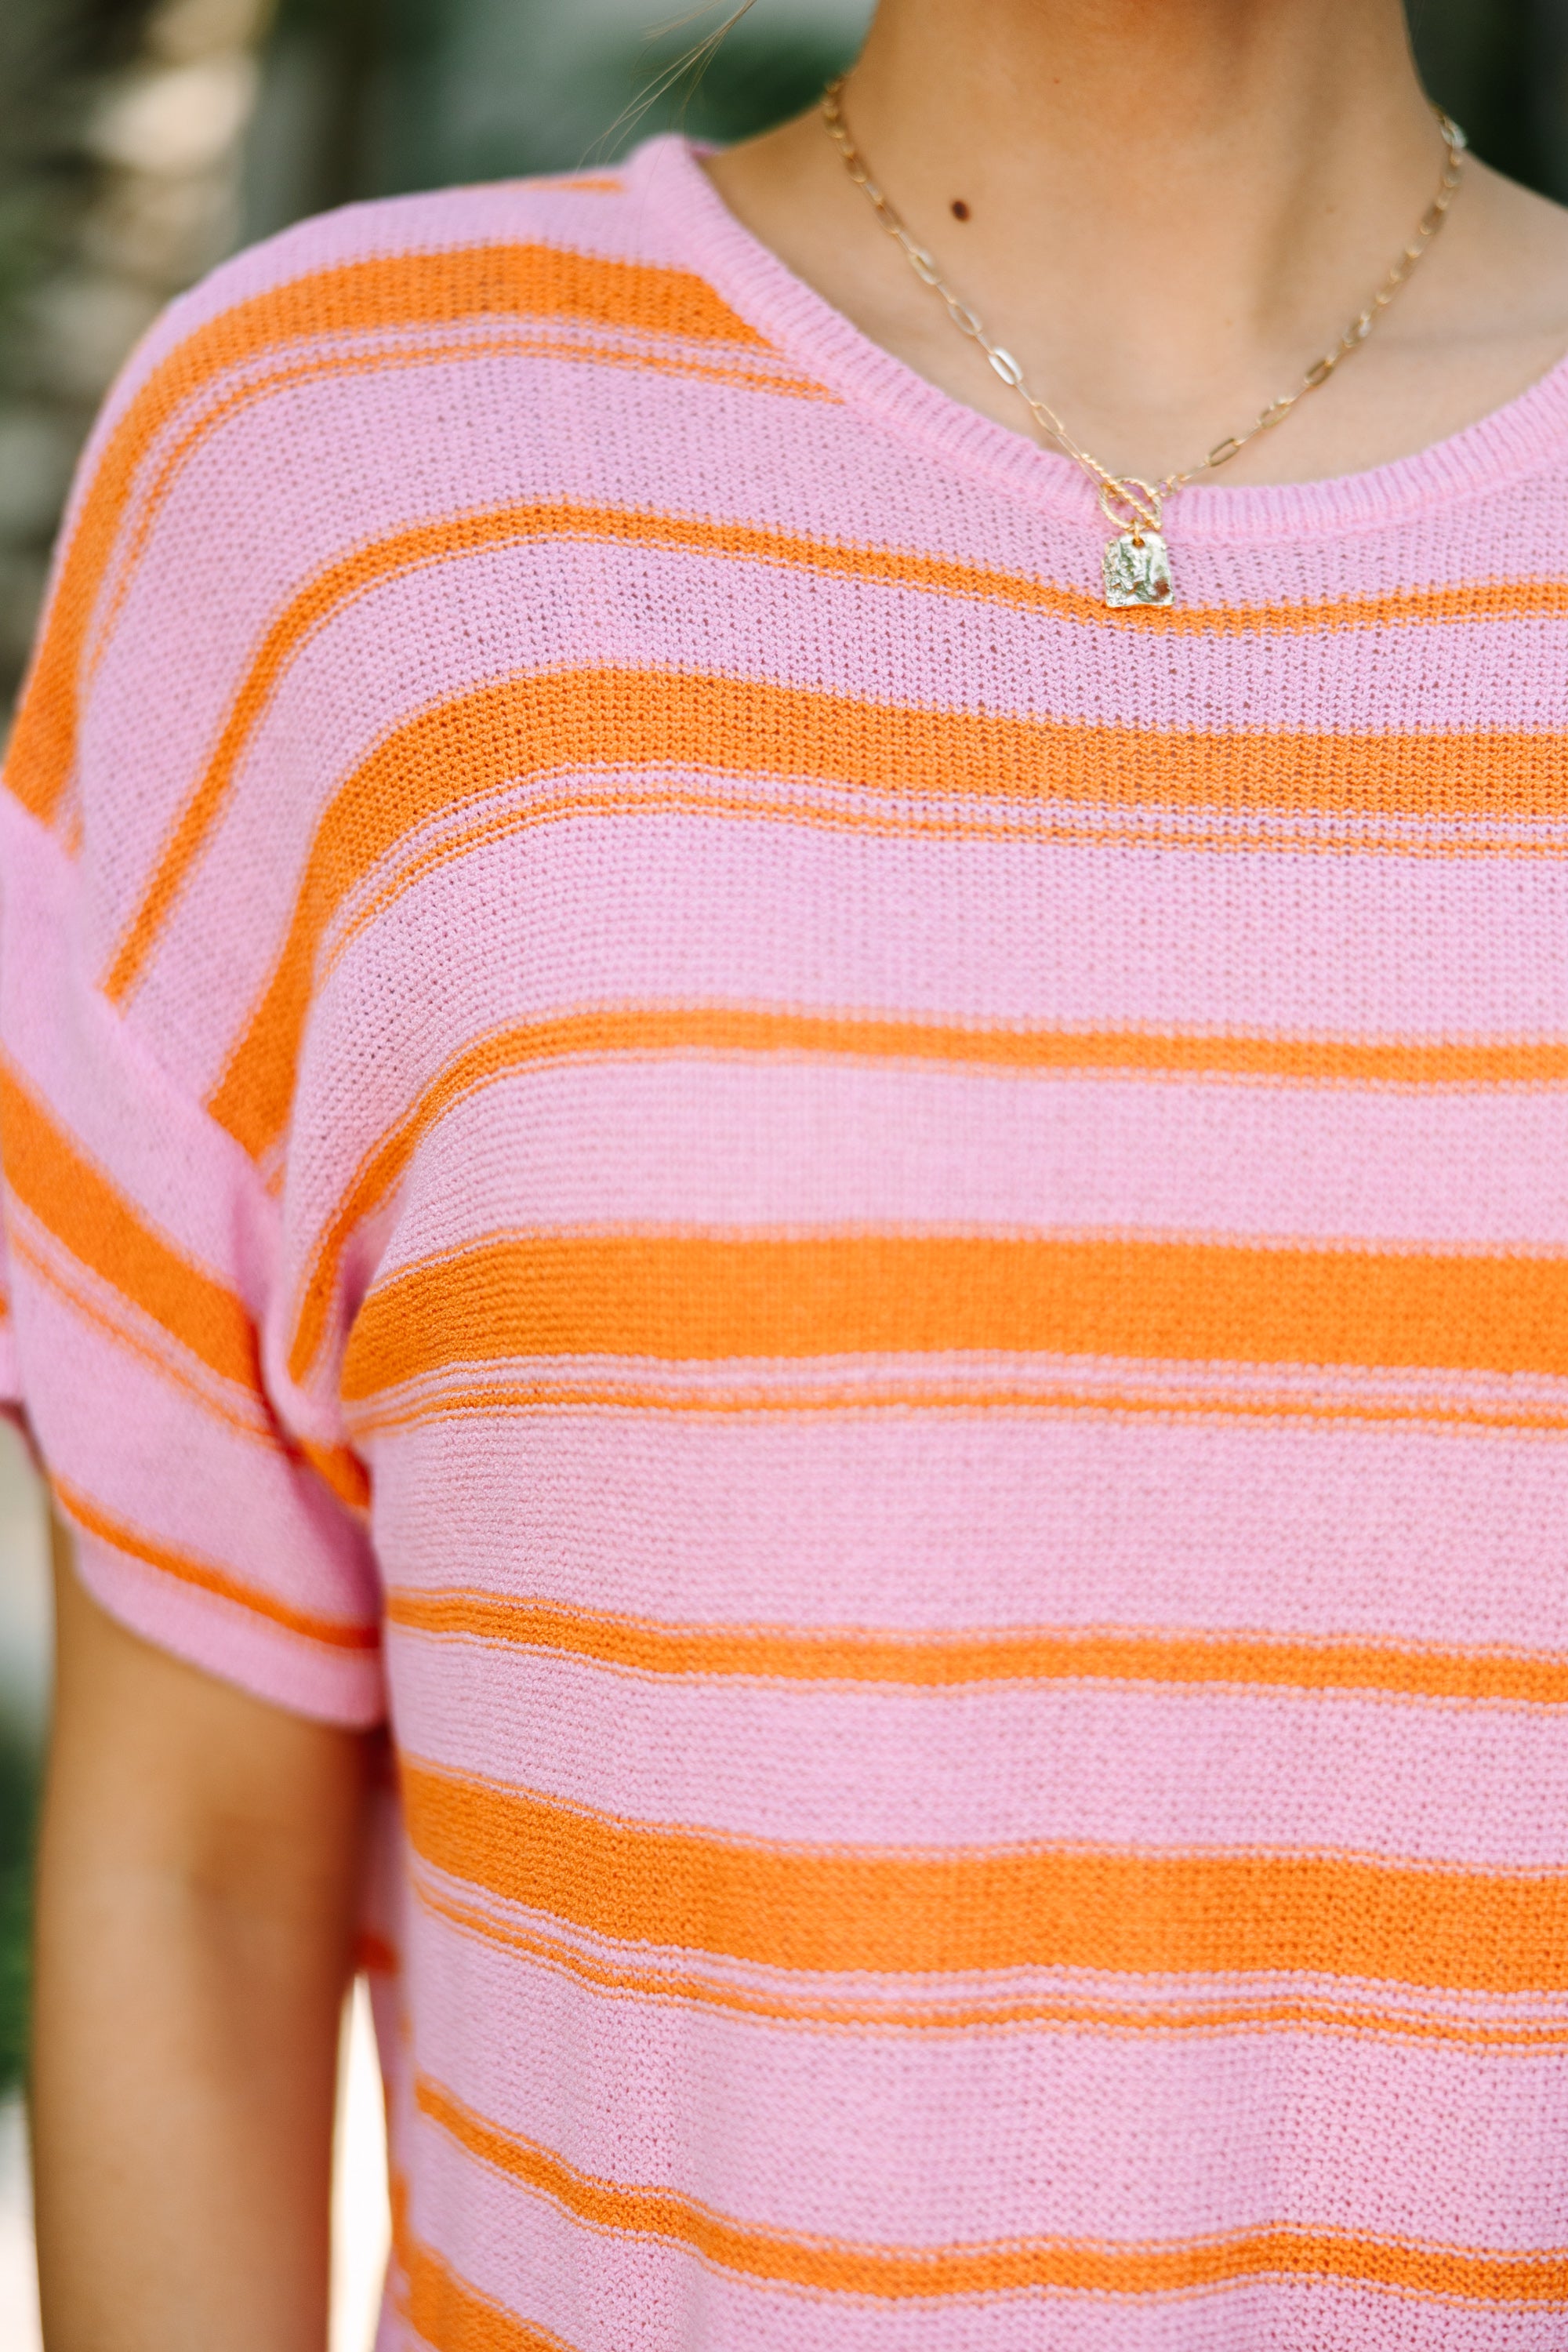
x=555 y=602
x=696 y=909
x=844 y=472
x=250 y=874
x=562 y=602
x=939 y=1520
x=690 y=910
x=210 y=575
x=1088 y=1763
x=220 y=1638
x=830 y=2133
x=117 y=1103
x=426 y=631
x=675 y=1142
x=601 y=2292
x=179 y=1474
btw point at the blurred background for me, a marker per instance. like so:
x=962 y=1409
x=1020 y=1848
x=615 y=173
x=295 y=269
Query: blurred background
x=140 y=141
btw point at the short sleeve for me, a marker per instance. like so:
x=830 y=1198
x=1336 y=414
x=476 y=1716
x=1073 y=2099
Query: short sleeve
x=215 y=1515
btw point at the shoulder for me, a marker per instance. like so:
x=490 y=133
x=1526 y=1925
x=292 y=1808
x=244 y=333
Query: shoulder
x=1503 y=286
x=306 y=365
x=303 y=396
x=316 y=422
x=600 y=247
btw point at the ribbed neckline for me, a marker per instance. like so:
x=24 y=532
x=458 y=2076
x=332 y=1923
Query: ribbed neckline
x=1513 y=440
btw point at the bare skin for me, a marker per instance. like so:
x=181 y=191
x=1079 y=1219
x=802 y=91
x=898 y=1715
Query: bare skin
x=1173 y=209
x=195 y=1896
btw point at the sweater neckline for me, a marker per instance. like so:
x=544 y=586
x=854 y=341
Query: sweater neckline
x=667 y=175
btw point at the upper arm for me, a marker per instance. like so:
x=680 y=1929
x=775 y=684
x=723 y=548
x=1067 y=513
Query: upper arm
x=196 y=1905
x=159 y=1768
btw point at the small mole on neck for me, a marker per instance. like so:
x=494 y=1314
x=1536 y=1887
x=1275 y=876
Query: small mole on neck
x=959 y=209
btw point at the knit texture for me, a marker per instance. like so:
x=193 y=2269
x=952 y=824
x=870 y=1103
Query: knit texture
x=887 y=1254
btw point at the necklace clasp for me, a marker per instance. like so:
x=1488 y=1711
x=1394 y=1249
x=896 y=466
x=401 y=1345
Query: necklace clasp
x=1130 y=505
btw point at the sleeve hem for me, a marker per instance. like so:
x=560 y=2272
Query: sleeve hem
x=225 y=1640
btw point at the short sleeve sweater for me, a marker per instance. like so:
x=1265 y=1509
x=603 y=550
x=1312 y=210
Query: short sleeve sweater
x=887 y=1254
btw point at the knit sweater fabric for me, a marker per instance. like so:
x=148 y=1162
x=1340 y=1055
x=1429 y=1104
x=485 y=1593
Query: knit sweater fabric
x=886 y=1254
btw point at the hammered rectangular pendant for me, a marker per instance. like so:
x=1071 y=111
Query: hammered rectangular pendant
x=1137 y=569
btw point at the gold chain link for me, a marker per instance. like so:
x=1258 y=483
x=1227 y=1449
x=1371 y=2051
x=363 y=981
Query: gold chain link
x=1126 y=501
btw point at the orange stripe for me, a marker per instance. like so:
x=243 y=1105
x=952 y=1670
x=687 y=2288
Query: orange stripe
x=896 y=1912
x=246 y=1416
x=75 y=1203
x=684 y=1297
x=599 y=718
x=828 y=812
x=338 y=585
x=335 y=1632
x=73 y=1200
x=942 y=1661
x=340 y=1470
x=553 y=342
x=896 y=567
x=453 y=2316
x=999 y=2013
x=507 y=1397
x=1460 y=602
x=424 y=290
x=723 y=1029
x=358 y=298
x=642 y=1030
x=824 y=2266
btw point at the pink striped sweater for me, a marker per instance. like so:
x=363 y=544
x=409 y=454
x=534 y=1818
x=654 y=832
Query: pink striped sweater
x=886 y=1254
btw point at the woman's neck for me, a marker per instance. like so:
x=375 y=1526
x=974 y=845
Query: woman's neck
x=1220 y=170
x=1167 y=212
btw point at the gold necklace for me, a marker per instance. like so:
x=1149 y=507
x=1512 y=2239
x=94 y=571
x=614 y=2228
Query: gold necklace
x=1137 y=564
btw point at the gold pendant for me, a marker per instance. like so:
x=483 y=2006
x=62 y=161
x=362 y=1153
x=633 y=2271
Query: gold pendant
x=1138 y=569
x=1137 y=564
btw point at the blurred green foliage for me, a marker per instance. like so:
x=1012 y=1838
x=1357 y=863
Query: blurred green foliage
x=19 y=1789
x=759 y=75
x=1500 y=67
x=420 y=93
x=49 y=49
